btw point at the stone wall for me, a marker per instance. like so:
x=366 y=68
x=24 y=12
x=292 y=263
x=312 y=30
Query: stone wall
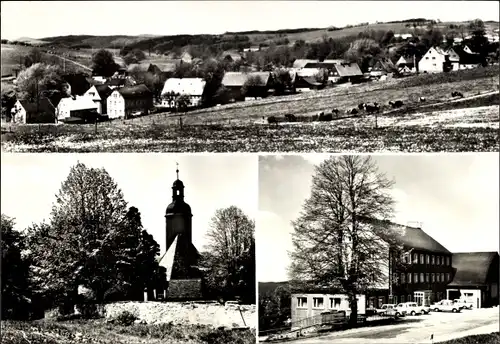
x=213 y=314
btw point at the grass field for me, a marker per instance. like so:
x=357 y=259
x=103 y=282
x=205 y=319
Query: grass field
x=439 y=124
x=100 y=332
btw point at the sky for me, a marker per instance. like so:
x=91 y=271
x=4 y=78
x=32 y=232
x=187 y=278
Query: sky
x=58 y=18
x=455 y=198
x=31 y=181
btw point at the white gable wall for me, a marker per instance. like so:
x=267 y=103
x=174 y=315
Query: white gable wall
x=431 y=62
x=116 y=105
x=18 y=113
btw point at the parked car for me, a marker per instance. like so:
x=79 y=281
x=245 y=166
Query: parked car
x=384 y=308
x=464 y=304
x=401 y=309
x=446 y=306
x=413 y=308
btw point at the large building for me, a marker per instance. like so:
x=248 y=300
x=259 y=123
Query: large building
x=427 y=273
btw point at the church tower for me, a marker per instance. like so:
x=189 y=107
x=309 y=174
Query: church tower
x=178 y=215
x=181 y=259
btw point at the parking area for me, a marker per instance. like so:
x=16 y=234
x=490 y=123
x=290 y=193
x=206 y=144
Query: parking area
x=418 y=329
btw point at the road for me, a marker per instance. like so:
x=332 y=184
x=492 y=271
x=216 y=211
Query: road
x=418 y=329
x=74 y=62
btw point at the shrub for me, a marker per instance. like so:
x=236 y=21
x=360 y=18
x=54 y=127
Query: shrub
x=125 y=318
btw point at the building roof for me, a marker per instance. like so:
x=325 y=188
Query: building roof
x=189 y=86
x=44 y=105
x=78 y=103
x=307 y=81
x=238 y=79
x=103 y=90
x=472 y=267
x=467 y=58
x=129 y=81
x=168 y=65
x=301 y=63
x=411 y=237
x=235 y=56
x=408 y=60
x=384 y=64
x=134 y=91
x=348 y=69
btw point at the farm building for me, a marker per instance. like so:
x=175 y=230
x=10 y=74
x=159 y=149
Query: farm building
x=99 y=95
x=125 y=101
x=435 y=60
x=406 y=61
x=174 y=87
x=231 y=56
x=76 y=108
x=306 y=83
x=234 y=82
x=382 y=66
x=306 y=305
x=462 y=58
x=33 y=112
x=429 y=273
x=476 y=278
x=349 y=72
x=167 y=67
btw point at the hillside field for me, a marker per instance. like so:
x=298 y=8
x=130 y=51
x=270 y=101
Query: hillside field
x=439 y=124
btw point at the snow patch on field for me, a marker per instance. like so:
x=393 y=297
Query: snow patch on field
x=186 y=313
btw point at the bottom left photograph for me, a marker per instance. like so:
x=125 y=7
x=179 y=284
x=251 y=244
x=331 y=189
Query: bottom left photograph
x=128 y=248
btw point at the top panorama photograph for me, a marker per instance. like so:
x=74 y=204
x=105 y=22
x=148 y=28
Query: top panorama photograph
x=243 y=76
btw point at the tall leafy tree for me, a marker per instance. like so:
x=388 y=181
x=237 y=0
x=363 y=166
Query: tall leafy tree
x=333 y=246
x=363 y=51
x=16 y=295
x=38 y=80
x=103 y=63
x=230 y=254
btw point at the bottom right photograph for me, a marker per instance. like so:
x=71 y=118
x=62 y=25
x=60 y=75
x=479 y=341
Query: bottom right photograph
x=378 y=248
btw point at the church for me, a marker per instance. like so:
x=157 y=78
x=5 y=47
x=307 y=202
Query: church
x=180 y=276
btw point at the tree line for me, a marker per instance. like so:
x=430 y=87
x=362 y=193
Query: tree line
x=94 y=249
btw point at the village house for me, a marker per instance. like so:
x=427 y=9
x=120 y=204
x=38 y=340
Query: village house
x=462 y=58
x=406 y=64
x=174 y=87
x=435 y=60
x=120 y=82
x=33 y=112
x=127 y=101
x=75 y=109
x=234 y=82
x=383 y=66
x=426 y=273
x=307 y=83
x=231 y=56
x=348 y=72
x=99 y=95
x=168 y=66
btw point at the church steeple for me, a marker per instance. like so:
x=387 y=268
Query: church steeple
x=177 y=187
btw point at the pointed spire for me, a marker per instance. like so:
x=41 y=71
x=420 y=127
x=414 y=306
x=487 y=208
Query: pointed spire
x=177 y=170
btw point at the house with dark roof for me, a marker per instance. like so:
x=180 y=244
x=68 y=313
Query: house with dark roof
x=99 y=95
x=307 y=83
x=427 y=272
x=382 y=66
x=348 y=72
x=234 y=82
x=42 y=111
x=231 y=56
x=462 y=58
x=475 y=279
x=127 y=101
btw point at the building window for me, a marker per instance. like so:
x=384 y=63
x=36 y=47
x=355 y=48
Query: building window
x=421 y=258
x=302 y=302
x=403 y=277
x=335 y=302
x=447 y=261
x=409 y=298
x=402 y=298
x=433 y=58
x=415 y=278
x=432 y=260
x=395 y=278
x=318 y=302
x=447 y=277
x=427 y=57
x=409 y=277
x=422 y=277
x=395 y=300
x=427 y=278
x=442 y=277
x=415 y=258
x=433 y=277
x=438 y=277
x=427 y=259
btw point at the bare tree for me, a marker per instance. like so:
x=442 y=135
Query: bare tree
x=333 y=244
x=230 y=256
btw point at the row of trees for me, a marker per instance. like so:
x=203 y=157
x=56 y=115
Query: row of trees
x=94 y=240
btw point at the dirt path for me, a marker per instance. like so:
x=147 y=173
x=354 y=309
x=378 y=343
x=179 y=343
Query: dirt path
x=74 y=62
